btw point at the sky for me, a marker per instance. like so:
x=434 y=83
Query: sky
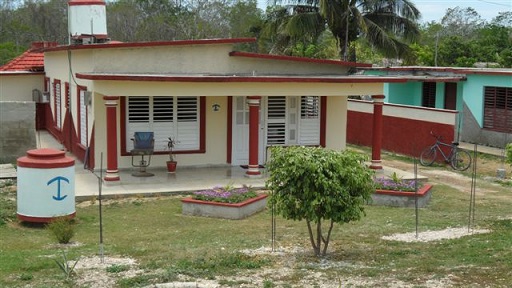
x=434 y=10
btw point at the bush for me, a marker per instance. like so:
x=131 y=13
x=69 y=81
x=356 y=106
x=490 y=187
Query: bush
x=62 y=228
x=508 y=150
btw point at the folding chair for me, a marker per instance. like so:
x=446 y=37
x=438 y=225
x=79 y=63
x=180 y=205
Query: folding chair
x=143 y=145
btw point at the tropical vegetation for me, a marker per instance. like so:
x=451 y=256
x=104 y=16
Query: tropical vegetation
x=387 y=26
x=378 y=32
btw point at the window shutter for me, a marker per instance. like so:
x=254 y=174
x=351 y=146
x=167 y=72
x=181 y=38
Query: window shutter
x=138 y=118
x=58 y=120
x=163 y=121
x=498 y=109
x=187 y=130
x=276 y=120
x=309 y=123
x=83 y=119
x=429 y=94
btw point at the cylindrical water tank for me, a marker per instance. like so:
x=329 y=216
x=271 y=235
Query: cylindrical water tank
x=46 y=185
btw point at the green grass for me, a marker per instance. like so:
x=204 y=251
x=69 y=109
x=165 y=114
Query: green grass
x=167 y=244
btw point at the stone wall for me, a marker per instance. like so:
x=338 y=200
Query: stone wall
x=472 y=132
x=17 y=130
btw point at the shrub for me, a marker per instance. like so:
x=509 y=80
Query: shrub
x=508 y=150
x=316 y=184
x=62 y=228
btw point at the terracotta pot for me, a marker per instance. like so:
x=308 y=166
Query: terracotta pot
x=171 y=166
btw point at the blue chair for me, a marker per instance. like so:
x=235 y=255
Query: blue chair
x=143 y=145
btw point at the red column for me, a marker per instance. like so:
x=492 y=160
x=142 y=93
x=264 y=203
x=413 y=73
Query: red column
x=112 y=169
x=378 y=102
x=254 y=119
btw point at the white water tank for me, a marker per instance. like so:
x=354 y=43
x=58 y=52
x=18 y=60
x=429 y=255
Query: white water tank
x=46 y=185
x=87 y=20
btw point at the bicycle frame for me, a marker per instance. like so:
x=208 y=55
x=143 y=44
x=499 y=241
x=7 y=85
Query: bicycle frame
x=446 y=157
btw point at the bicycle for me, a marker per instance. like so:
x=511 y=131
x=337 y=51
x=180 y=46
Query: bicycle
x=459 y=159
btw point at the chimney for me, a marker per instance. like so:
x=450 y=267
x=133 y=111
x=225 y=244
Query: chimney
x=87 y=22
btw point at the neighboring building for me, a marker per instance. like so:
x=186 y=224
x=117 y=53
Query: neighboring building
x=482 y=96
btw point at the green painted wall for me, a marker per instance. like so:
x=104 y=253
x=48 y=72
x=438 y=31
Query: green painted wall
x=473 y=90
x=403 y=93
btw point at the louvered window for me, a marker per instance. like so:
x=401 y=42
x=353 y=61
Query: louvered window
x=82 y=106
x=309 y=124
x=166 y=116
x=498 y=109
x=429 y=94
x=58 y=102
x=293 y=120
x=276 y=121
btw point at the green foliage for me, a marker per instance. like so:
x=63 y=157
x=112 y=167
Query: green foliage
x=117 y=268
x=67 y=267
x=62 y=228
x=508 y=151
x=316 y=184
x=7 y=202
x=220 y=264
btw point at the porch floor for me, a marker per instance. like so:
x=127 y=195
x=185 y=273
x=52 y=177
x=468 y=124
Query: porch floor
x=186 y=179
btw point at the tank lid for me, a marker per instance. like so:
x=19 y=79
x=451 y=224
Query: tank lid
x=45 y=158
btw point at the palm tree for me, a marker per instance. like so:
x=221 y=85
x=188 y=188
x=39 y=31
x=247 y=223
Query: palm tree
x=387 y=25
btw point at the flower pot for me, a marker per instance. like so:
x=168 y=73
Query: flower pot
x=171 y=166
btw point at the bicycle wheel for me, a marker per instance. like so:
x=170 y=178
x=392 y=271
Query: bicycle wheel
x=428 y=156
x=461 y=160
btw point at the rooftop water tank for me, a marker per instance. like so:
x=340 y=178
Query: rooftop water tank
x=87 y=21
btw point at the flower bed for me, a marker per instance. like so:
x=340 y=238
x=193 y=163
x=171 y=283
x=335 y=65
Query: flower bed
x=400 y=193
x=224 y=202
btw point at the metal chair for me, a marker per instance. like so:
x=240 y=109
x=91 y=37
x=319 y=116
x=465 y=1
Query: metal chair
x=143 y=145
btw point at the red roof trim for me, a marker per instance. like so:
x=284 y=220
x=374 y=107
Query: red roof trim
x=86 y=2
x=250 y=79
x=482 y=71
x=298 y=59
x=155 y=44
x=486 y=72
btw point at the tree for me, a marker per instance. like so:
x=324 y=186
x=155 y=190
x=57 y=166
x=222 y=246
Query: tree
x=316 y=184
x=386 y=25
x=461 y=22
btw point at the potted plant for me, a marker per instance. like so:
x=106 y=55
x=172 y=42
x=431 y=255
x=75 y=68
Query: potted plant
x=171 y=164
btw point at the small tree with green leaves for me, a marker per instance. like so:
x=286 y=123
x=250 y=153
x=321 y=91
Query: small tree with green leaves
x=316 y=184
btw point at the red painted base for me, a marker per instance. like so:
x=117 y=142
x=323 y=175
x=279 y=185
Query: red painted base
x=421 y=192
x=34 y=219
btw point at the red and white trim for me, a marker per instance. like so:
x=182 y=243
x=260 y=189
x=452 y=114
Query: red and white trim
x=112 y=173
x=253 y=170
x=378 y=102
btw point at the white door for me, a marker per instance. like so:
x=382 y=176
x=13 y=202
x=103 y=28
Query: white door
x=240 y=145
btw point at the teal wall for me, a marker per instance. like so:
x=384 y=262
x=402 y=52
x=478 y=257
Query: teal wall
x=440 y=95
x=473 y=90
x=403 y=93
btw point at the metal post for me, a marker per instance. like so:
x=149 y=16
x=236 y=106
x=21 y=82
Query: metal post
x=471 y=218
x=100 y=179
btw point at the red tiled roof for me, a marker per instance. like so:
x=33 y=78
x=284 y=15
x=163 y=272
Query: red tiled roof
x=31 y=60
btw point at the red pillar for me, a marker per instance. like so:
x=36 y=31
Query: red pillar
x=378 y=102
x=254 y=119
x=112 y=169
